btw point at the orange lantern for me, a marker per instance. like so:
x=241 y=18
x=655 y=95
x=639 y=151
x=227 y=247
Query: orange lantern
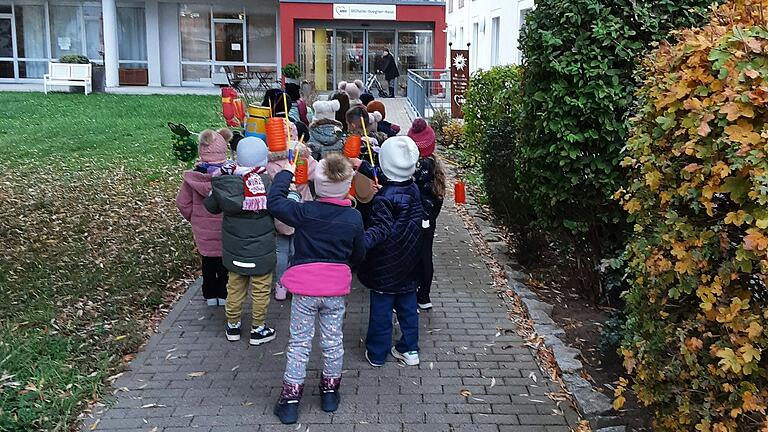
x=460 y=193
x=277 y=138
x=352 y=146
x=302 y=172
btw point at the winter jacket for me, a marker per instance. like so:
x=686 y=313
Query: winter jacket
x=278 y=161
x=324 y=138
x=393 y=242
x=389 y=128
x=206 y=227
x=329 y=239
x=247 y=237
x=425 y=179
x=388 y=65
x=302 y=112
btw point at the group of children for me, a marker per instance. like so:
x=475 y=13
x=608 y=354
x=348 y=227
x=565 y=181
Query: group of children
x=253 y=217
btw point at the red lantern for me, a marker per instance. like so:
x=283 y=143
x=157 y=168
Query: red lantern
x=239 y=110
x=460 y=193
x=302 y=172
x=352 y=146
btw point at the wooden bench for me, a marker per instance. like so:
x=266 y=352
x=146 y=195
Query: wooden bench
x=68 y=74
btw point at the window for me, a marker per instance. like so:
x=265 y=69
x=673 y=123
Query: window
x=461 y=4
x=523 y=14
x=461 y=37
x=261 y=31
x=474 y=48
x=495 y=24
x=31 y=42
x=450 y=6
x=132 y=37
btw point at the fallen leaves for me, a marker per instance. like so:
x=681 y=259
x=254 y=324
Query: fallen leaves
x=196 y=374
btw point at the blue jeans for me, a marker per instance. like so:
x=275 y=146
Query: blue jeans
x=379 y=339
x=284 y=254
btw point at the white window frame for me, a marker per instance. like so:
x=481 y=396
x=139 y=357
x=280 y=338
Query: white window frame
x=495 y=38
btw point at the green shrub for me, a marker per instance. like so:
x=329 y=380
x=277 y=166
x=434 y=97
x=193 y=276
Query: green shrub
x=697 y=329
x=452 y=135
x=74 y=58
x=492 y=95
x=438 y=121
x=580 y=56
x=291 y=70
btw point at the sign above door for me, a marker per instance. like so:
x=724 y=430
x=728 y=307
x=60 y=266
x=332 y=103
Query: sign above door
x=365 y=12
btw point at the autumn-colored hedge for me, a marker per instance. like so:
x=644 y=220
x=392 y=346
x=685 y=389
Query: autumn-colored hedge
x=696 y=333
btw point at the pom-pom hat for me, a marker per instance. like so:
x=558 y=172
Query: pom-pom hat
x=326 y=110
x=333 y=177
x=398 y=157
x=424 y=137
x=212 y=147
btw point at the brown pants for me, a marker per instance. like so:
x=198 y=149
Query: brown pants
x=237 y=292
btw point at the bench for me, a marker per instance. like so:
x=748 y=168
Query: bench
x=68 y=74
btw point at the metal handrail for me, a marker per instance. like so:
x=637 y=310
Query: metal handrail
x=428 y=91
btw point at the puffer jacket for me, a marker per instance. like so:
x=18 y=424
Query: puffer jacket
x=206 y=227
x=393 y=242
x=324 y=138
x=279 y=161
x=425 y=179
x=247 y=237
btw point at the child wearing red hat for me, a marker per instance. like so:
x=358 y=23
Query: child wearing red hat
x=430 y=178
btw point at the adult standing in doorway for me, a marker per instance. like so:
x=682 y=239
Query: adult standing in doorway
x=388 y=65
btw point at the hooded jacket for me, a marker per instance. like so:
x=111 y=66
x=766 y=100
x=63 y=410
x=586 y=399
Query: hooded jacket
x=323 y=138
x=247 y=237
x=206 y=227
x=393 y=242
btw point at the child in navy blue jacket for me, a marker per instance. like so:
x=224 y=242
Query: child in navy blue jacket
x=430 y=178
x=393 y=247
x=329 y=239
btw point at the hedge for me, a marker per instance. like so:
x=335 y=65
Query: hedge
x=695 y=337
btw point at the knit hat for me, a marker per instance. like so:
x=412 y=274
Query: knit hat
x=424 y=137
x=373 y=120
x=333 y=176
x=211 y=147
x=353 y=89
x=252 y=152
x=326 y=109
x=398 y=157
x=377 y=106
x=366 y=98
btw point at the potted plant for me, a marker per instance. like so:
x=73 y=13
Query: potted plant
x=75 y=59
x=292 y=73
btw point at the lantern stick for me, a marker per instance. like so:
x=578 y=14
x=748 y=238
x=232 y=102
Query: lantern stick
x=370 y=152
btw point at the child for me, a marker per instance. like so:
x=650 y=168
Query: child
x=279 y=161
x=366 y=98
x=206 y=227
x=393 y=245
x=430 y=178
x=319 y=277
x=353 y=90
x=388 y=128
x=299 y=112
x=343 y=99
x=325 y=131
x=248 y=236
x=364 y=185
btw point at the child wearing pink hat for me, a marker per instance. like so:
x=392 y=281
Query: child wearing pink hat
x=430 y=178
x=206 y=227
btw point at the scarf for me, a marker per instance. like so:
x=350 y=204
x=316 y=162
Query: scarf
x=254 y=191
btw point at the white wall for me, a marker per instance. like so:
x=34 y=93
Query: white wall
x=170 y=50
x=482 y=12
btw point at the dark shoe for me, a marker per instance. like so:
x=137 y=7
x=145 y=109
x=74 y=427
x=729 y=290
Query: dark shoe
x=233 y=332
x=329 y=394
x=287 y=408
x=261 y=335
x=371 y=362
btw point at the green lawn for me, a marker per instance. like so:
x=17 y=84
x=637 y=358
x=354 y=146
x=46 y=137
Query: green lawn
x=91 y=240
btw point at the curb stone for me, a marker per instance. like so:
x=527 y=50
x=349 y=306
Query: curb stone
x=594 y=406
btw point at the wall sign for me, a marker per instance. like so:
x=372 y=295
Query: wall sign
x=459 y=81
x=365 y=11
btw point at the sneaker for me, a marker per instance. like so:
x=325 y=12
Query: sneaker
x=261 y=335
x=411 y=358
x=212 y=302
x=233 y=332
x=280 y=292
x=425 y=306
x=222 y=302
x=371 y=362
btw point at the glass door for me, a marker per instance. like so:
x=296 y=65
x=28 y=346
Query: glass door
x=229 y=42
x=350 y=55
x=316 y=57
x=6 y=47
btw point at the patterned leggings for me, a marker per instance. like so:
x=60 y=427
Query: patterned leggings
x=304 y=309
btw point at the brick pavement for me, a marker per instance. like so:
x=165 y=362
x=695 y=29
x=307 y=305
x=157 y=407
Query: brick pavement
x=467 y=344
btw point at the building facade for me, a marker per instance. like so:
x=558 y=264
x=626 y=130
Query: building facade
x=491 y=27
x=173 y=43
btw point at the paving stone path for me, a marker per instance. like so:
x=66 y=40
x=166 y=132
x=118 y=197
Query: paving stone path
x=476 y=373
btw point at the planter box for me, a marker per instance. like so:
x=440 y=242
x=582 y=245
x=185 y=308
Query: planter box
x=134 y=76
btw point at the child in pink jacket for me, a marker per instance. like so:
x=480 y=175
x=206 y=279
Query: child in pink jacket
x=279 y=161
x=206 y=227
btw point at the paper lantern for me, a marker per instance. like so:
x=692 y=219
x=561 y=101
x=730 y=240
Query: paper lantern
x=302 y=172
x=352 y=146
x=277 y=138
